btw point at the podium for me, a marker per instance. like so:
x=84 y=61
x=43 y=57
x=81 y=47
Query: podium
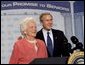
x=50 y=60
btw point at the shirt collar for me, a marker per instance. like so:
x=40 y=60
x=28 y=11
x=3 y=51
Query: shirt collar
x=45 y=31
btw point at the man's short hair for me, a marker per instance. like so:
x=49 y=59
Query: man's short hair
x=43 y=14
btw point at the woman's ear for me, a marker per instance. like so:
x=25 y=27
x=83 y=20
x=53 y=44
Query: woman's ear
x=25 y=32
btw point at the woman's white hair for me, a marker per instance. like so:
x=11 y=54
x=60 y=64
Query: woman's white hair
x=23 y=24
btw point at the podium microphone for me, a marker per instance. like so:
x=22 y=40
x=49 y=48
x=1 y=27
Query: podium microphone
x=78 y=44
x=68 y=46
x=74 y=40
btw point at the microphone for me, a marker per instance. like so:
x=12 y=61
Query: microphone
x=67 y=46
x=78 y=44
x=74 y=40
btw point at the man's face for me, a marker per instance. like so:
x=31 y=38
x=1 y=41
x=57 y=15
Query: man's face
x=47 y=22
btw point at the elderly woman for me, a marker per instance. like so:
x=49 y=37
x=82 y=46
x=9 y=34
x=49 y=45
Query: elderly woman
x=28 y=48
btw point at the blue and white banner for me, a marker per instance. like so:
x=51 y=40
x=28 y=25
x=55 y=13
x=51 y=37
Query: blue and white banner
x=42 y=5
x=79 y=6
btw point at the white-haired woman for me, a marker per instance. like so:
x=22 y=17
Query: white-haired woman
x=28 y=48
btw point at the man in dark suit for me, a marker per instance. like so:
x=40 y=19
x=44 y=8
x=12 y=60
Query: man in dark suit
x=55 y=40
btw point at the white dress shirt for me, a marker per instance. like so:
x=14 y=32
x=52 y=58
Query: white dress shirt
x=45 y=36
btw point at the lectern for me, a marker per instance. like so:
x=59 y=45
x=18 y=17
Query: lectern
x=50 y=60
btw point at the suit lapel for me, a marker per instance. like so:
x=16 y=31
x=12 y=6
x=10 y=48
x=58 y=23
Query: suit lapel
x=54 y=36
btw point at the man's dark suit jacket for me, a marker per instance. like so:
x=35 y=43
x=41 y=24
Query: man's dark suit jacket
x=59 y=43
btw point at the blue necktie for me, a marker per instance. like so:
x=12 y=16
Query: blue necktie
x=49 y=44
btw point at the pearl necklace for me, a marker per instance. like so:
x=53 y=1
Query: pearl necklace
x=34 y=43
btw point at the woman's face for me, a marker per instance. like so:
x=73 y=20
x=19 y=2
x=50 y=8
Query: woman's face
x=31 y=29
